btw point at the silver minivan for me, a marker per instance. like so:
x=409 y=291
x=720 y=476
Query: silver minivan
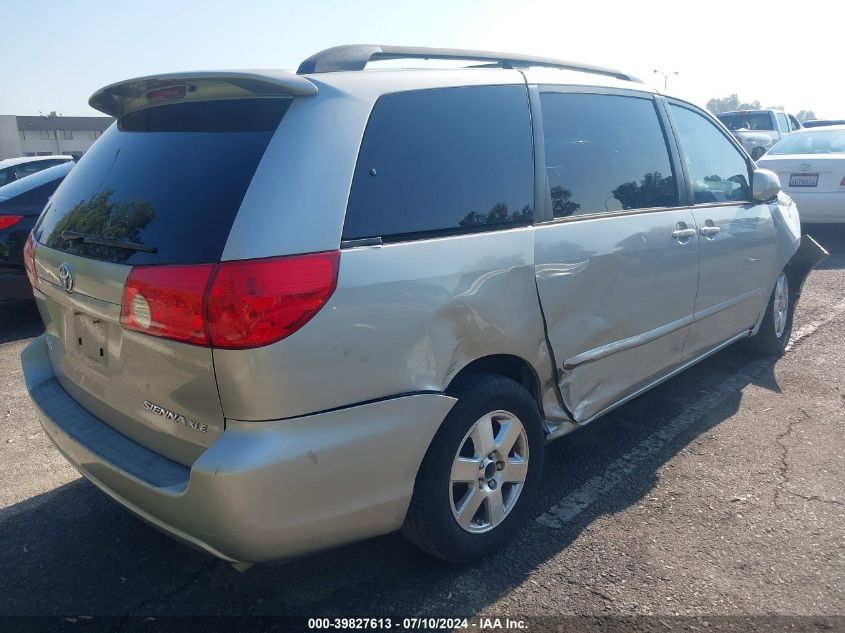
x=287 y=311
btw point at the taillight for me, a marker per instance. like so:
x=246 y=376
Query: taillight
x=255 y=302
x=842 y=183
x=167 y=301
x=29 y=260
x=231 y=305
x=9 y=220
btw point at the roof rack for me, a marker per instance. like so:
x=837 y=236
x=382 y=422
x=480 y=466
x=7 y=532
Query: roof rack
x=357 y=56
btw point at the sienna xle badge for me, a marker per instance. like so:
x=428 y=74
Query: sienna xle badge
x=289 y=311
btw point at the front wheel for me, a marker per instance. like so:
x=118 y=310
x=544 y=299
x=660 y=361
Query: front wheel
x=480 y=474
x=773 y=336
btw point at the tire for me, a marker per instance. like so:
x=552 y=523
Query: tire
x=757 y=153
x=773 y=336
x=432 y=520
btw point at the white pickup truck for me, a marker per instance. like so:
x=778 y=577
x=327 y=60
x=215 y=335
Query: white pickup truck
x=758 y=130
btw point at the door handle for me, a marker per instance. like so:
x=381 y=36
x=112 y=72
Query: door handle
x=709 y=230
x=683 y=234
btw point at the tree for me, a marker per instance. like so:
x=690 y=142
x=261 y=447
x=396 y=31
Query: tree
x=732 y=102
x=723 y=105
x=654 y=190
x=101 y=217
x=52 y=115
x=562 y=206
x=729 y=103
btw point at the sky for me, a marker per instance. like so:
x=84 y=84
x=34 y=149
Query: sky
x=58 y=52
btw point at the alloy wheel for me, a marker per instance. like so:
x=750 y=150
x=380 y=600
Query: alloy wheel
x=488 y=471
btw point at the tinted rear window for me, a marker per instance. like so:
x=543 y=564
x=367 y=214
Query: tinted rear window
x=447 y=160
x=169 y=178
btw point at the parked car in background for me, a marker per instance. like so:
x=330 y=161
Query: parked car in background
x=12 y=169
x=823 y=122
x=758 y=130
x=811 y=167
x=289 y=311
x=20 y=204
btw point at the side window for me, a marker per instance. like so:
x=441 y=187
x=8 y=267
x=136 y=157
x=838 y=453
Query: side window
x=605 y=153
x=783 y=122
x=7 y=175
x=793 y=124
x=717 y=169
x=445 y=160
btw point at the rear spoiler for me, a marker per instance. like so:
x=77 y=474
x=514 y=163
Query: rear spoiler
x=136 y=94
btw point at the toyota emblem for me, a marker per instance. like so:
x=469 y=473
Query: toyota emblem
x=66 y=277
x=804 y=167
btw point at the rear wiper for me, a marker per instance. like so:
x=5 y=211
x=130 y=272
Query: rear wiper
x=73 y=236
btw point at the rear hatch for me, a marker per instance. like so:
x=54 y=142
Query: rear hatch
x=156 y=195
x=808 y=173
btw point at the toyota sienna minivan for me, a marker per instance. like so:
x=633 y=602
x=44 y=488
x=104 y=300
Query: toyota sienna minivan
x=287 y=311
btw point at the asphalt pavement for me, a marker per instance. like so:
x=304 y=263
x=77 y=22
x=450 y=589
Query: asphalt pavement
x=718 y=493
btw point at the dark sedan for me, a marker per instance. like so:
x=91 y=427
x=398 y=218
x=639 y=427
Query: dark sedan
x=21 y=203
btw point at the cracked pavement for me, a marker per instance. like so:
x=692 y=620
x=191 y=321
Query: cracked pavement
x=718 y=493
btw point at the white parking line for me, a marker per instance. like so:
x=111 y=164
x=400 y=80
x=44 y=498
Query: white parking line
x=617 y=473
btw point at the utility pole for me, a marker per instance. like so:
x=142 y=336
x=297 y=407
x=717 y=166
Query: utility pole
x=666 y=74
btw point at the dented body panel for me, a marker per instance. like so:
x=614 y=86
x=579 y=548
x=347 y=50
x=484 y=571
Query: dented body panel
x=405 y=318
x=618 y=294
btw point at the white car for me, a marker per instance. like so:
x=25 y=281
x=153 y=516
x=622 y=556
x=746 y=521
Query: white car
x=811 y=167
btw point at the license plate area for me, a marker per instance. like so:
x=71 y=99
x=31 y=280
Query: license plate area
x=88 y=337
x=804 y=180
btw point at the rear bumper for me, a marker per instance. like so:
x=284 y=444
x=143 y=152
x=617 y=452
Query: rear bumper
x=264 y=490
x=817 y=207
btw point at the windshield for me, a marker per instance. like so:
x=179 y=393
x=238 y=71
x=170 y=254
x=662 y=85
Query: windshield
x=747 y=121
x=169 y=178
x=812 y=142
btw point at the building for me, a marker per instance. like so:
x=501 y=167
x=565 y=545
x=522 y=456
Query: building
x=49 y=135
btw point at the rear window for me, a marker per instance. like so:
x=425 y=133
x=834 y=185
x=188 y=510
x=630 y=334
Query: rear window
x=440 y=161
x=747 y=121
x=169 y=178
x=815 y=142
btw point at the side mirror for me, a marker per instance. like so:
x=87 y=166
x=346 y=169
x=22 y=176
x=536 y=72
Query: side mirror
x=765 y=185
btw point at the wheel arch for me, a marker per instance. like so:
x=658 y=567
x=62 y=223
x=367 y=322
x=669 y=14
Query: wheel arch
x=803 y=260
x=507 y=365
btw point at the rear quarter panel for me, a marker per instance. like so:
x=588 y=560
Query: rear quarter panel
x=405 y=317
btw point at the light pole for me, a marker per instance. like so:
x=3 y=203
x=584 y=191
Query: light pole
x=666 y=75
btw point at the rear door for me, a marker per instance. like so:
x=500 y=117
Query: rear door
x=617 y=257
x=165 y=183
x=736 y=234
